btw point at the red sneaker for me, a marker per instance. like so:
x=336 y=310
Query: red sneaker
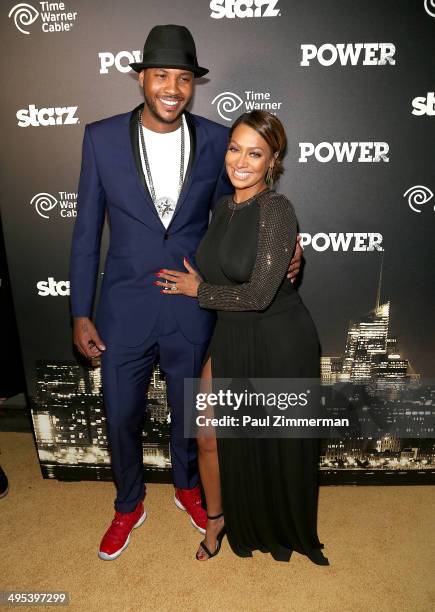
x=117 y=537
x=190 y=501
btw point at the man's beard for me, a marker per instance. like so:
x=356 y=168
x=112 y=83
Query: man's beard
x=153 y=110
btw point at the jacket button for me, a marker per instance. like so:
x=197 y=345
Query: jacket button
x=166 y=236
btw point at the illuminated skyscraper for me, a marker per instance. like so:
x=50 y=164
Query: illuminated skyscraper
x=330 y=369
x=371 y=357
x=366 y=339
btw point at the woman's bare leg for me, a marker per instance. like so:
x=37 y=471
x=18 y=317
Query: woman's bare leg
x=209 y=473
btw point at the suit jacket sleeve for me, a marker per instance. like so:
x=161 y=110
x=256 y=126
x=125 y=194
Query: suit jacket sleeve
x=86 y=240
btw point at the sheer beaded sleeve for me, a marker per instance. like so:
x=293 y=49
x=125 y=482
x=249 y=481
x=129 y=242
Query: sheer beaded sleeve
x=276 y=241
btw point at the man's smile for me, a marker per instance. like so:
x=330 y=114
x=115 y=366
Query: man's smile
x=170 y=103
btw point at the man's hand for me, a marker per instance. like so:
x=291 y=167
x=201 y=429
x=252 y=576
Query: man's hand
x=295 y=264
x=86 y=338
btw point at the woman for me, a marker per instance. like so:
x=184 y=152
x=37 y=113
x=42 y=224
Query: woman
x=261 y=492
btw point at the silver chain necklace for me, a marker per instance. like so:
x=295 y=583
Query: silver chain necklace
x=164 y=205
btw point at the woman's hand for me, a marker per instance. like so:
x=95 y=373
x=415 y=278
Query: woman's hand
x=295 y=264
x=180 y=283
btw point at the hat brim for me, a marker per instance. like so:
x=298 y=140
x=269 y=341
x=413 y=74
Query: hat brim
x=197 y=70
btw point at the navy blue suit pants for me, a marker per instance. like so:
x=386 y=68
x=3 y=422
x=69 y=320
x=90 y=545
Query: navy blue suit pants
x=126 y=373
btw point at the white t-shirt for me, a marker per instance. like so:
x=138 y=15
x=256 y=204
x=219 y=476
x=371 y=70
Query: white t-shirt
x=164 y=153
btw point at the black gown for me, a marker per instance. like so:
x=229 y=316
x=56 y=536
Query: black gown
x=263 y=330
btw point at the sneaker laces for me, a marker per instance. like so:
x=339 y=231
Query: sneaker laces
x=120 y=520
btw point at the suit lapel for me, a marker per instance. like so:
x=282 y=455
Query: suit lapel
x=134 y=137
x=138 y=170
x=193 y=158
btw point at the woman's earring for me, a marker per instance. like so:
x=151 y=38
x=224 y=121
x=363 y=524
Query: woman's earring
x=269 y=176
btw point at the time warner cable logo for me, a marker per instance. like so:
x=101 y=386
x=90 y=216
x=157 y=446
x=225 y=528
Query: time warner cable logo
x=417 y=196
x=244 y=8
x=45 y=202
x=429 y=7
x=54 y=17
x=228 y=102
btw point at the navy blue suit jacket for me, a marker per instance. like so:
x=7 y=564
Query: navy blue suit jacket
x=112 y=181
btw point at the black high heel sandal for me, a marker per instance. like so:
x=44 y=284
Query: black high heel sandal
x=219 y=538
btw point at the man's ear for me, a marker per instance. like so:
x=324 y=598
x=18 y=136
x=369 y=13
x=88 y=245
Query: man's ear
x=141 y=77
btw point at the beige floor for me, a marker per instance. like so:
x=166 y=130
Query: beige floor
x=379 y=541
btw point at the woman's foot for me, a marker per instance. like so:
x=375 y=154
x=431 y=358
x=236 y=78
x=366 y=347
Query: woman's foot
x=213 y=528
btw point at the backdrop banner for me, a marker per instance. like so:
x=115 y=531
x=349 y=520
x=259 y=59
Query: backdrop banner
x=353 y=83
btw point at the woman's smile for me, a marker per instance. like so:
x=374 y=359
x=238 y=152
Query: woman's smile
x=241 y=176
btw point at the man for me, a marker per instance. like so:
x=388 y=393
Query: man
x=157 y=171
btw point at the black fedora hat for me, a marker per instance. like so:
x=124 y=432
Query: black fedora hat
x=170 y=46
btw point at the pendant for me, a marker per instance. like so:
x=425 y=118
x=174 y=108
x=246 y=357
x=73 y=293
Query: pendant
x=165 y=206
